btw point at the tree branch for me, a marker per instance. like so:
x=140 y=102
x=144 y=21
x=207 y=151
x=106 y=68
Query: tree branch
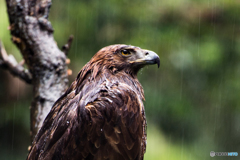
x=67 y=46
x=10 y=63
x=33 y=35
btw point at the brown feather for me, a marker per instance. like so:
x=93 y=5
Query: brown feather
x=100 y=116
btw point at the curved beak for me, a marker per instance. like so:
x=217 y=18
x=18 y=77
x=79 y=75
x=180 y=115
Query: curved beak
x=146 y=57
x=151 y=58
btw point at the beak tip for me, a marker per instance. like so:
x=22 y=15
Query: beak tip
x=158 y=61
x=155 y=58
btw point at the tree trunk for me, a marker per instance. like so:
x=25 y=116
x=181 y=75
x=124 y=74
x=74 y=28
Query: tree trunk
x=47 y=69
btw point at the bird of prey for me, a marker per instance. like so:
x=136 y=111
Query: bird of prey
x=101 y=115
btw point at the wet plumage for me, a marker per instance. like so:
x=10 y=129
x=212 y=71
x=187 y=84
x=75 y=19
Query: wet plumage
x=101 y=115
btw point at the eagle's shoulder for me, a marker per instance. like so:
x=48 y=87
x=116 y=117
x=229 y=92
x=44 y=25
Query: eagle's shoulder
x=103 y=118
x=116 y=114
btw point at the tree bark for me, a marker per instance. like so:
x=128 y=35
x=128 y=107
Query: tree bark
x=33 y=35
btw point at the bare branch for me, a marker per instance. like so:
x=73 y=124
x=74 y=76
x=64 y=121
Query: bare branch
x=67 y=46
x=9 y=62
x=32 y=33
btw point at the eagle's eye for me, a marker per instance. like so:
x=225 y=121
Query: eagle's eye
x=125 y=52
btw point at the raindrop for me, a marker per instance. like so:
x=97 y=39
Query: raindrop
x=141 y=70
x=199 y=30
x=182 y=146
x=13 y=127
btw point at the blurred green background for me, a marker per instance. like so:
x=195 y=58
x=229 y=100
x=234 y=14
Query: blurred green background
x=192 y=101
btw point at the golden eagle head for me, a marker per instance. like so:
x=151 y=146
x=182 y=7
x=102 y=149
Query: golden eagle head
x=123 y=57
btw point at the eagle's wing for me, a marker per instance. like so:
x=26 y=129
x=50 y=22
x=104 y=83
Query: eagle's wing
x=103 y=119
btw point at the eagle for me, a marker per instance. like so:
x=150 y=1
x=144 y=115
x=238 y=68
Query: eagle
x=101 y=115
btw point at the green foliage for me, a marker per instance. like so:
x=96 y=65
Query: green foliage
x=192 y=101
